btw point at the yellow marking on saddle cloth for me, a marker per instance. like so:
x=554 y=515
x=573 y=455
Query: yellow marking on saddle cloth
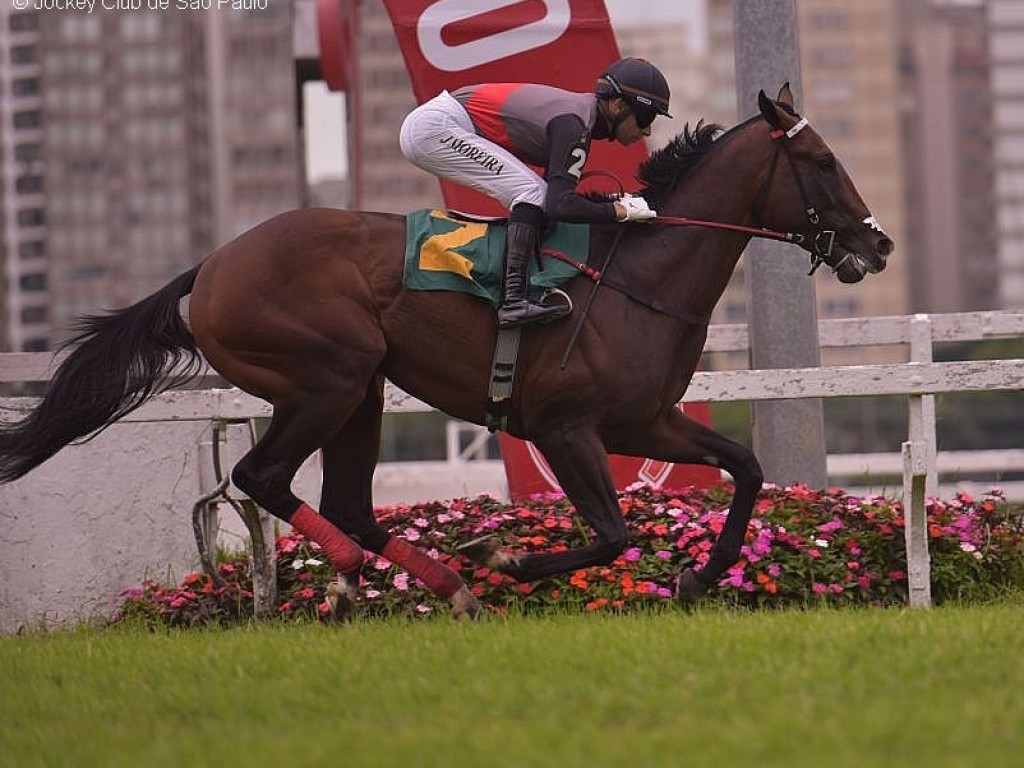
x=437 y=252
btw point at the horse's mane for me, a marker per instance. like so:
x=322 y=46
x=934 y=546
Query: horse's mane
x=669 y=166
x=666 y=168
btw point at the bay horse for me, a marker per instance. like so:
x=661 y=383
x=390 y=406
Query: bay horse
x=309 y=312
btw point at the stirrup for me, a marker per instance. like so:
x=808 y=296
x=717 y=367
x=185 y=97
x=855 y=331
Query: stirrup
x=526 y=312
x=563 y=298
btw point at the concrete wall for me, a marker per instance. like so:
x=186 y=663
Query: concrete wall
x=98 y=518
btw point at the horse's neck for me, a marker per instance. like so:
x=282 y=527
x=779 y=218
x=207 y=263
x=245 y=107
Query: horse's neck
x=689 y=267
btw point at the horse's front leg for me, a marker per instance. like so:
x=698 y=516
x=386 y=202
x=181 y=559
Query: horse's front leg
x=679 y=439
x=580 y=463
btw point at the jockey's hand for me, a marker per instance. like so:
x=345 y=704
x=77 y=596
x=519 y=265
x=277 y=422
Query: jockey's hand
x=633 y=208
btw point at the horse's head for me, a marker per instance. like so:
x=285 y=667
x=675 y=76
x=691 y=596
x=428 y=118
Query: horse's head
x=808 y=191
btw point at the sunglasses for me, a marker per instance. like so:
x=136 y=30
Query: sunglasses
x=644 y=117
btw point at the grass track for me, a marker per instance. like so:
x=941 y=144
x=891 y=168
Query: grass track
x=816 y=688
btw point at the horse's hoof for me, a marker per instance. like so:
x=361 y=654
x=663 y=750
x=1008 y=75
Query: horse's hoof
x=483 y=550
x=689 y=589
x=487 y=552
x=341 y=600
x=464 y=604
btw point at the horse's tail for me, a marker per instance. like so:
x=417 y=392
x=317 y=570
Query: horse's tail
x=119 y=361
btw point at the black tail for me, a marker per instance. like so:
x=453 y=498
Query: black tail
x=120 y=360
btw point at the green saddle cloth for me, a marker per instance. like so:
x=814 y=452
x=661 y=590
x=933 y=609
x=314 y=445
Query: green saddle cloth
x=447 y=254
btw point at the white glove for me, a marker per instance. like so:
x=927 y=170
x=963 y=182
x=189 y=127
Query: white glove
x=636 y=208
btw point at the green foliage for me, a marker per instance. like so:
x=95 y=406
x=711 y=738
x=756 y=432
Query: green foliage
x=803 y=548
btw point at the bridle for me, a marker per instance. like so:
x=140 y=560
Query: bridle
x=818 y=242
x=822 y=240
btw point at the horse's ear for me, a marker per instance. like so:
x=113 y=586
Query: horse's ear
x=769 y=110
x=786 y=95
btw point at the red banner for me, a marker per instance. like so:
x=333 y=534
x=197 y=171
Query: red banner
x=565 y=43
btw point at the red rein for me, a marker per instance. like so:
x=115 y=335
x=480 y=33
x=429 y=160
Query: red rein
x=681 y=221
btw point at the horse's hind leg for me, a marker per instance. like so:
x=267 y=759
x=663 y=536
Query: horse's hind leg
x=298 y=428
x=346 y=500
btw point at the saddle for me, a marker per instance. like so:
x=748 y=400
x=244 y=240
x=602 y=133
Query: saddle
x=449 y=251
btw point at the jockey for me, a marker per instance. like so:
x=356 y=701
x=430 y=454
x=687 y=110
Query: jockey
x=487 y=136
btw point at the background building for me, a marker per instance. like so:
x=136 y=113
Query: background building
x=133 y=144
x=1006 y=51
x=848 y=69
x=946 y=110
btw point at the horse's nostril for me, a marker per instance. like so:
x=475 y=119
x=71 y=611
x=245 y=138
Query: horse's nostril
x=885 y=247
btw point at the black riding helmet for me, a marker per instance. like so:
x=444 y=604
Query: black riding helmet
x=638 y=82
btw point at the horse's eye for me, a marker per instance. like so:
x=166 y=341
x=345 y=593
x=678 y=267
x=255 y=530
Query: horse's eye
x=827 y=162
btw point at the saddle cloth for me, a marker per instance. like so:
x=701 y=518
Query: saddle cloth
x=443 y=253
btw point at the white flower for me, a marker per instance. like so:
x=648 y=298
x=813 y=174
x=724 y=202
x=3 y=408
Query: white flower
x=313 y=562
x=821 y=543
x=297 y=565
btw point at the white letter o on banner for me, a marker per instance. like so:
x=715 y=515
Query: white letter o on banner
x=454 y=58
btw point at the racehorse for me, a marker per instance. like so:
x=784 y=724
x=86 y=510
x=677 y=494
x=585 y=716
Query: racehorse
x=309 y=312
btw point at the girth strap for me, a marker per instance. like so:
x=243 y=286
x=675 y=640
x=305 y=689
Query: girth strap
x=503 y=370
x=664 y=309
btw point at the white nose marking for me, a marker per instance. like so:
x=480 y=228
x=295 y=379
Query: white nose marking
x=872 y=222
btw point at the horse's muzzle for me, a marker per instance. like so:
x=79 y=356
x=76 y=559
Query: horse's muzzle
x=865 y=251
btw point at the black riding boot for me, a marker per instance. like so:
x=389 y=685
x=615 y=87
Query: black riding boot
x=522 y=242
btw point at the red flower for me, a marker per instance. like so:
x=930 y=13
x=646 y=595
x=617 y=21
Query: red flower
x=579 y=580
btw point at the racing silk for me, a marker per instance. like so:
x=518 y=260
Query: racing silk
x=546 y=127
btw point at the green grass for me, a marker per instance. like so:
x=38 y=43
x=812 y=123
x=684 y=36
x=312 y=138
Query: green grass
x=822 y=688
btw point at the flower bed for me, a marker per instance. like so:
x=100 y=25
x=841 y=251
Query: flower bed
x=803 y=548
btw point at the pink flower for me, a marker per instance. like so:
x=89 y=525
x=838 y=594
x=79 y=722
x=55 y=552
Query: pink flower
x=401 y=581
x=831 y=525
x=632 y=554
x=818 y=588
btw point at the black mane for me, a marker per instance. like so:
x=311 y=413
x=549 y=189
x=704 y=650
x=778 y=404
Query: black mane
x=669 y=166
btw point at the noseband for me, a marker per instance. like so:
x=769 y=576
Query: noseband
x=820 y=241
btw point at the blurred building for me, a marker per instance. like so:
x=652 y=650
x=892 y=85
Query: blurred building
x=848 y=57
x=135 y=143
x=946 y=110
x=386 y=180
x=23 y=264
x=1006 y=53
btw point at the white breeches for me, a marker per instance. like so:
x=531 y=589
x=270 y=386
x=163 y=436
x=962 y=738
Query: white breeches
x=438 y=137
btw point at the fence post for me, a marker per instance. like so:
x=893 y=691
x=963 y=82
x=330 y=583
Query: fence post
x=915 y=531
x=921 y=421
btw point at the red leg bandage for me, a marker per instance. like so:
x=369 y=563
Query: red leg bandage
x=439 y=578
x=346 y=556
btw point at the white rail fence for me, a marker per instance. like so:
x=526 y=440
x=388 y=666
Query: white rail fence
x=919 y=379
